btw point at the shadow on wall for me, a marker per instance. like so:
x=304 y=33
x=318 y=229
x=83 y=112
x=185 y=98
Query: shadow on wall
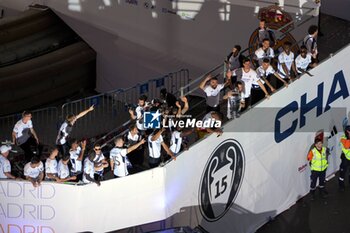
x=237 y=219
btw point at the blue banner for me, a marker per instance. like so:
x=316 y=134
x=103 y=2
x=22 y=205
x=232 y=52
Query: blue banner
x=160 y=82
x=144 y=88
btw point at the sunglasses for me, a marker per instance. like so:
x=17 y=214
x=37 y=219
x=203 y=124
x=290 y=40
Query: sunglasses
x=97 y=149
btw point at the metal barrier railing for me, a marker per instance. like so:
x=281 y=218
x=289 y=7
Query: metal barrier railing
x=45 y=122
x=110 y=110
x=172 y=82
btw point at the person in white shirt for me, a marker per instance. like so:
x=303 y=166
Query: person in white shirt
x=89 y=172
x=51 y=173
x=286 y=62
x=155 y=144
x=209 y=118
x=34 y=171
x=266 y=70
x=63 y=170
x=118 y=156
x=66 y=128
x=138 y=114
x=135 y=157
x=235 y=100
x=212 y=92
x=5 y=165
x=249 y=77
x=303 y=61
x=310 y=42
x=264 y=52
x=76 y=154
x=99 y=161
x=177 y=141
x=24 y=135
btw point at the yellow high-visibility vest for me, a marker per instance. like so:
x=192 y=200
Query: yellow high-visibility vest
x=319 y=160
x=346 y=151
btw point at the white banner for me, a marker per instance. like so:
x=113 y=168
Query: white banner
x=232 y=183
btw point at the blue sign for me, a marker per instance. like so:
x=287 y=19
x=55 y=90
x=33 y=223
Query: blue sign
x=94 y=101
x=305 y=107
x=160 y=82
x=152 y=120
x=144 y=88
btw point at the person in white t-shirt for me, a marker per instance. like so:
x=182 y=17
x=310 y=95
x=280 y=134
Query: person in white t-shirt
x=303 y=61
x=89 y=172
x=264 y=52
x=266 y=70
x=24 y=135
x=5 y=165
x=34 y=171
x=249 y=77
x=177 y=141
x=99 y=161
x=212 y=92
x=135 y=157
x=286 y=62
x=138 y=114
x=155 y=144
x=66 y=129
x=76 y=154
x=51 y=173
x=118 y=156
x=209 y=119
x=63 y=170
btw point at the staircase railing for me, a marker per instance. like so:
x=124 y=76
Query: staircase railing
x=110 y=110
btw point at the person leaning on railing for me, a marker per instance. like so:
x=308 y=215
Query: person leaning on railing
x=155 y=144
x=34 y=171
x=209 y=119
x=118 y=156
x=212 y=92
x=51 y=169
x=303 y=61
x=66 y=129
x=249 y=77
x=286 y=64
x=76 y=154
x=266 y=71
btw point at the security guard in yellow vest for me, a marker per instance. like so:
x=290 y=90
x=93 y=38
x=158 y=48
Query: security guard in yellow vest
x=345 y=157
x=318 y=164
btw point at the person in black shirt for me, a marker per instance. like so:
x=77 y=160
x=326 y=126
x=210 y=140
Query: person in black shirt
x=169 y=98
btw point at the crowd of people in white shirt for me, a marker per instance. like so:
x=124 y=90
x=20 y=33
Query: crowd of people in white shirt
x=250 y=79
x=247 y=82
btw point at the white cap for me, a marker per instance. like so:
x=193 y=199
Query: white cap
x=4 y=149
